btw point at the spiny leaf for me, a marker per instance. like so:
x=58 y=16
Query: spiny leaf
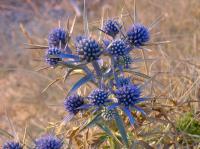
x=91 y=122
x=109 y=132
x=62 y=55
x=120 y=126
x=79 y=83
x=68 y=73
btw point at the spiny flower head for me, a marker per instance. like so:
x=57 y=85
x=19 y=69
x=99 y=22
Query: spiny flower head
x=51 y=52
x=56 y=36
x=108 y=114
x=117 y=48
x=138 y=35
x=122 y=81
x=111 y=27
x=99 y=97
x=73 y=102
x=48 y=142
x=126 y=60
x=88 y=49
x=12 y=145
x=128 y=95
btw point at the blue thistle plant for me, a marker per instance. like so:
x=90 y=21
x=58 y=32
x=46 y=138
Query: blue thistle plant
x=12 y=145
x=53 y=61
x=99 y=97
x=137 y=35
x=117 y=48
x=72 y=103
x=48 y=142
x=113 y=90
x=57 y=36
x=112 y=27
x=88 y=49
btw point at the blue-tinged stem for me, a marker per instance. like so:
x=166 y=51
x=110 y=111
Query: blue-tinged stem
x=87 y=71
x=113 y=70
x=129 y=114
x=98 y=73
x=67 y=49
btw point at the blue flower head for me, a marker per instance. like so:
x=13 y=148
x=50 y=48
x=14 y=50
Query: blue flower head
x=127 y=61
x=99 y=97
x=56 y=36
x=72 y=103
x=48 y=142
x=111 y=27
x=52 y=61
x=12 y=145
x=138 y=35
x=117 y=48
x=122 y=81
x=88 y=49
x=128 y=95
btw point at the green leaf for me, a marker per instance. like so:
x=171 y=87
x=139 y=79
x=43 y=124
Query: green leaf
x=109 y=132
x=91 y=122
x=79 y=83
x=101 y=140
x=122 y=130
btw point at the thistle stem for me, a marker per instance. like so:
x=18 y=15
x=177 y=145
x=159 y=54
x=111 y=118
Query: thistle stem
x=98 y=73
x=113 y=70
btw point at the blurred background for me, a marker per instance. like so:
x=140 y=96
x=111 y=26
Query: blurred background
x=23 y=105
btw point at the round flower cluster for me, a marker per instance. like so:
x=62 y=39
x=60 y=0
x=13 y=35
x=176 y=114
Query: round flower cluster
x=72 y=103
x=128 y=95
x=52 y=61
x=111 y=27
x=108 y=114
x=48 y=142
x=56 y=36
x=122 y=81
x=126 y=61
x=99 y=97
x=117 y=48
x=88 y=49
x=12 y=145
x=138 y=35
